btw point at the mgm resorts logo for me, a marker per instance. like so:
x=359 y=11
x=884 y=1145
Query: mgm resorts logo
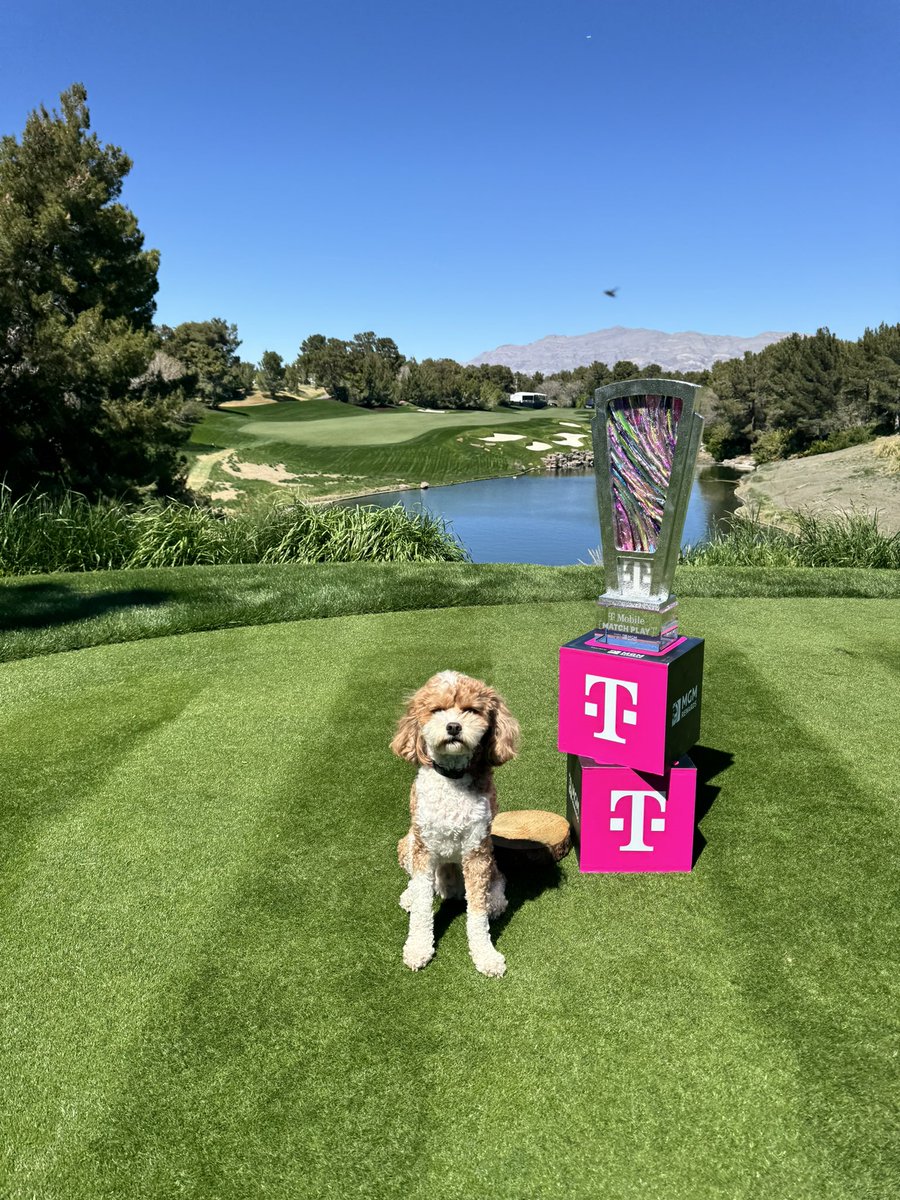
x=574 y=798
x=685 y=704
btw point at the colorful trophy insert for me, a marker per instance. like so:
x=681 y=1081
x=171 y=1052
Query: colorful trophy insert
x=646 y=440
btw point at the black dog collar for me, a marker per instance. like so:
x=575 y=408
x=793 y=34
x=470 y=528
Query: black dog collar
x=451 y=772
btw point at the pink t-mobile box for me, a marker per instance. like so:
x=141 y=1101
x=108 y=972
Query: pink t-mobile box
x=627 y=708
x=624 y=820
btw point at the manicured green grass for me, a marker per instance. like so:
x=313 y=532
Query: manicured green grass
x=44 y=614
x=337 y=449
x=202 y=987
x=311 y=423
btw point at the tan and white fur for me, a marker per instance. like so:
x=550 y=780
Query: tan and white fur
x=457 y=729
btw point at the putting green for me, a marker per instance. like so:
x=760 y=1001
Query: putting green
x=388 y=428
x=202 y=987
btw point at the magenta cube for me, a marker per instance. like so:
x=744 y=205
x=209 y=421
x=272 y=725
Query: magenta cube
x=626 y=708
x=624 y=820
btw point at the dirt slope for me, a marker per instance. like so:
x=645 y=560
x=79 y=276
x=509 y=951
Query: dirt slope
x=854 y=478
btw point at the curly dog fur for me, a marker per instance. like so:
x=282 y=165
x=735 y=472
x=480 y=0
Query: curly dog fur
x=457 y=729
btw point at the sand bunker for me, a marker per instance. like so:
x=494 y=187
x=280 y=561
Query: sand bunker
x=538 y=446
x=572 y=424
x=243 y=470
x=504 y=437
x=249 y=402
x=575 y=440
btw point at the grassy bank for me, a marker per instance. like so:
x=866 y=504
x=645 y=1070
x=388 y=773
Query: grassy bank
x=864 y=478
x=51 y=613
x=40 y=533
x=804 y=540
x=202 y=974
x=334 y=449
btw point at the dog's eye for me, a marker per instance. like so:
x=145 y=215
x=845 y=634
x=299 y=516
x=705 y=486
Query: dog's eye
x=476 y=712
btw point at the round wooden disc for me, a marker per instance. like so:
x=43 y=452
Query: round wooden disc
x=533 y=829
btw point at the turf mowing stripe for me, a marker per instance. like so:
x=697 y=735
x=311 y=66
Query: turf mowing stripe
x=805 y=877
x=118 y=899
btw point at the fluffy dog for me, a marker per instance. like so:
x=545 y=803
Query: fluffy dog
x=457 y=729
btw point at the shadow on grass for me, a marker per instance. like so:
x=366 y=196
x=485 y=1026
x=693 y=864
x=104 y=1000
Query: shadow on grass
x=528 y=876
x=43 y=605
x=710 y=764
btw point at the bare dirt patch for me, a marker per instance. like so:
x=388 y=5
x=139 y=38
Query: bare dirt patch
x=225 y=491
x=268 y=474
x=857 y=478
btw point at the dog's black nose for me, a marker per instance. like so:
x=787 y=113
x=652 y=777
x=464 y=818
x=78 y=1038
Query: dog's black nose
x=454 y=728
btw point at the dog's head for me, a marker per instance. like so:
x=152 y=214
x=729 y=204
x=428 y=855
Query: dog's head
x=456 y=716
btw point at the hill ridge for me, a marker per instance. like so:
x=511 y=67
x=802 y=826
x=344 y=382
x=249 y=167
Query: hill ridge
x=686 y=350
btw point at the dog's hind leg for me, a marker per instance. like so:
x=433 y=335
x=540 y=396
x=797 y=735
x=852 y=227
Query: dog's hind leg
x=448 y=881
x=497 y=902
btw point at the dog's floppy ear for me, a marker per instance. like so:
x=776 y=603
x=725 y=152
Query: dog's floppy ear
x=408 y=742
x=504 y=734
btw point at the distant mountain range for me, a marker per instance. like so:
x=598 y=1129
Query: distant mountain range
x=673 y=351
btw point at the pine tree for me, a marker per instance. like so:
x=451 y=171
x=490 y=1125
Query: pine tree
x=270 y=375
x=80 y=403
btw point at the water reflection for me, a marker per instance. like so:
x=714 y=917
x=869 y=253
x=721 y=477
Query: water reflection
x=548 y=519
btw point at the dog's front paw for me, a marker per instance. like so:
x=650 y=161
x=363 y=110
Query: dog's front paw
x=490 y=962
x=417 y=956
x=406 y=900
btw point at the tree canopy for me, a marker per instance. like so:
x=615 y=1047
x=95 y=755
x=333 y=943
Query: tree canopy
x=208 y=352
x=84 y=406
x=805 y=392
x=270 y=374
x=364 y=370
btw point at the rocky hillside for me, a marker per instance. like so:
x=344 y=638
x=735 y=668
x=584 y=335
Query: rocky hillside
x=673 y=351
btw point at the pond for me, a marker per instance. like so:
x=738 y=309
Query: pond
x=548 y=519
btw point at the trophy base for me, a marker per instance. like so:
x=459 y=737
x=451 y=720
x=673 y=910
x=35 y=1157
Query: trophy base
x=645 y=625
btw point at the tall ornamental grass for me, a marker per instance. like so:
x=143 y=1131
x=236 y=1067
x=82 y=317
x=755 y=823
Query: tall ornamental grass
x=39 y=533
x=851 y=539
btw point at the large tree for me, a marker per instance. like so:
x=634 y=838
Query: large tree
x=82 y=405
x=270 y=375
x=208 y=351
x=363 y=371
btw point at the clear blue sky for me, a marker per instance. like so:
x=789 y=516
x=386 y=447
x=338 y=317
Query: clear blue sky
x=457 y=176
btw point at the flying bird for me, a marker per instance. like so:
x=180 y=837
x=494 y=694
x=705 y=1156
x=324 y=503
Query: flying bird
x=610 y=292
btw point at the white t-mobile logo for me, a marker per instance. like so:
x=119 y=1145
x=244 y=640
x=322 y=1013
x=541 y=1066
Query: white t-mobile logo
x=610 y=690
x=636 y=832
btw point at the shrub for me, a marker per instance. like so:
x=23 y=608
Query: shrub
x=889 y=452
x=850 y=539
x=721 y=441
x=771 y=444
x=39 y=534
x=840 y=440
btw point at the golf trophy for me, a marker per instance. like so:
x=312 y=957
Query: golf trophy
x=629 y=690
